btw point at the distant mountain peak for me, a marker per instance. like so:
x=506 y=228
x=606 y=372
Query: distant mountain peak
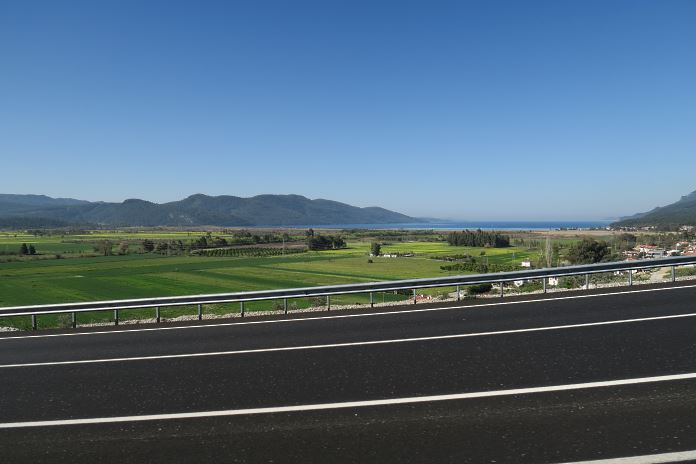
x=197 y=196
x=689 y=197
x=136 y=201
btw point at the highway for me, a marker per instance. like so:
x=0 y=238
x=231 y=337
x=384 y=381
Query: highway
x=551 y=378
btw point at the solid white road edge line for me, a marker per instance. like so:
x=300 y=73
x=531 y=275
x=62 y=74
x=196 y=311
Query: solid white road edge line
x=349 y=404
x=680 y=456
x=347 y=344
x=318 y=318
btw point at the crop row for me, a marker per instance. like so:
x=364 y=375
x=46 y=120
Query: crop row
x=249 y=251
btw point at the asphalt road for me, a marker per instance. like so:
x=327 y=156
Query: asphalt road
x=555 y=379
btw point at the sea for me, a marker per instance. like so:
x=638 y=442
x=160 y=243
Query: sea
x=473 y=225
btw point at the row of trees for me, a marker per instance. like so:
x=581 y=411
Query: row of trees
x=249 y=251
x=325 y=242
x=57 y=232
x=590 y=251
x=106 y=248
x=171 y=247
x=209 y=241
x=27 y=250
x=244 y=237
x=479 y=268
x=478 y=238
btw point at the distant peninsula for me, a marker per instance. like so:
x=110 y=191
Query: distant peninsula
x=679 y=214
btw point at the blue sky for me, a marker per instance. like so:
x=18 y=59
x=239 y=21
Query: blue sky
x=466 y=109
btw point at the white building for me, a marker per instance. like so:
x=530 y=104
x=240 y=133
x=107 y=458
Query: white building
x=656 y=253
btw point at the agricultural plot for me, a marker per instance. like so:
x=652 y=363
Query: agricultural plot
x=139 y=276
x=9 y=244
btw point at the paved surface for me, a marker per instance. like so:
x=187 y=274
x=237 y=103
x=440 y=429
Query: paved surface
x=410 y=358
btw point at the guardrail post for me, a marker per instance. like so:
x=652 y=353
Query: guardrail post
x=241 y=308
x=630 y=277
x=115 y=316
x=414 y=296
x=328 y=302
x=73 y=318
x=285 y=305
x=459 y=294
x=544 y=283
x=502 y=289
x=157 y=314
x=587 y=281
x=33 y=322
x=200 y=312
x=674 y=274
x=372 y=300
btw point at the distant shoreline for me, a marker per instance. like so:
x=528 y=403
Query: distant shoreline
x=483 y=225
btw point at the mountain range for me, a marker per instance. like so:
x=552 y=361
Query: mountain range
x=195 y=210
x=682 y=212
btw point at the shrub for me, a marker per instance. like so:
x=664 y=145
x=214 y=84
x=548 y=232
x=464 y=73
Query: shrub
x=479 y=289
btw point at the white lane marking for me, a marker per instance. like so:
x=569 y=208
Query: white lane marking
x=347 y=344
x=681 y=456
x=351 y=404
x=342 y=316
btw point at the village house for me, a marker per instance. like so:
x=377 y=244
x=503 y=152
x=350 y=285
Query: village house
x=651 y=251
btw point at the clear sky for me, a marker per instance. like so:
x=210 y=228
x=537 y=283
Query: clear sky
x=508 y=110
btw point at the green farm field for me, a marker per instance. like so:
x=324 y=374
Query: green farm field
x=76 y=243
x=138 y=276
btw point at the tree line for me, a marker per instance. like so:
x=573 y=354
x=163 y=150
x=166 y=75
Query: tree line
x=478 y=238
x=325 y=242
x=476 y=267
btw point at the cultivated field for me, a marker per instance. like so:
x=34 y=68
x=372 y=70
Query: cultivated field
x=72 y=279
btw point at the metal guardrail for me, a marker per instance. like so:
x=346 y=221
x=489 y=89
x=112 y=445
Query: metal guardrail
x=328 y=291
